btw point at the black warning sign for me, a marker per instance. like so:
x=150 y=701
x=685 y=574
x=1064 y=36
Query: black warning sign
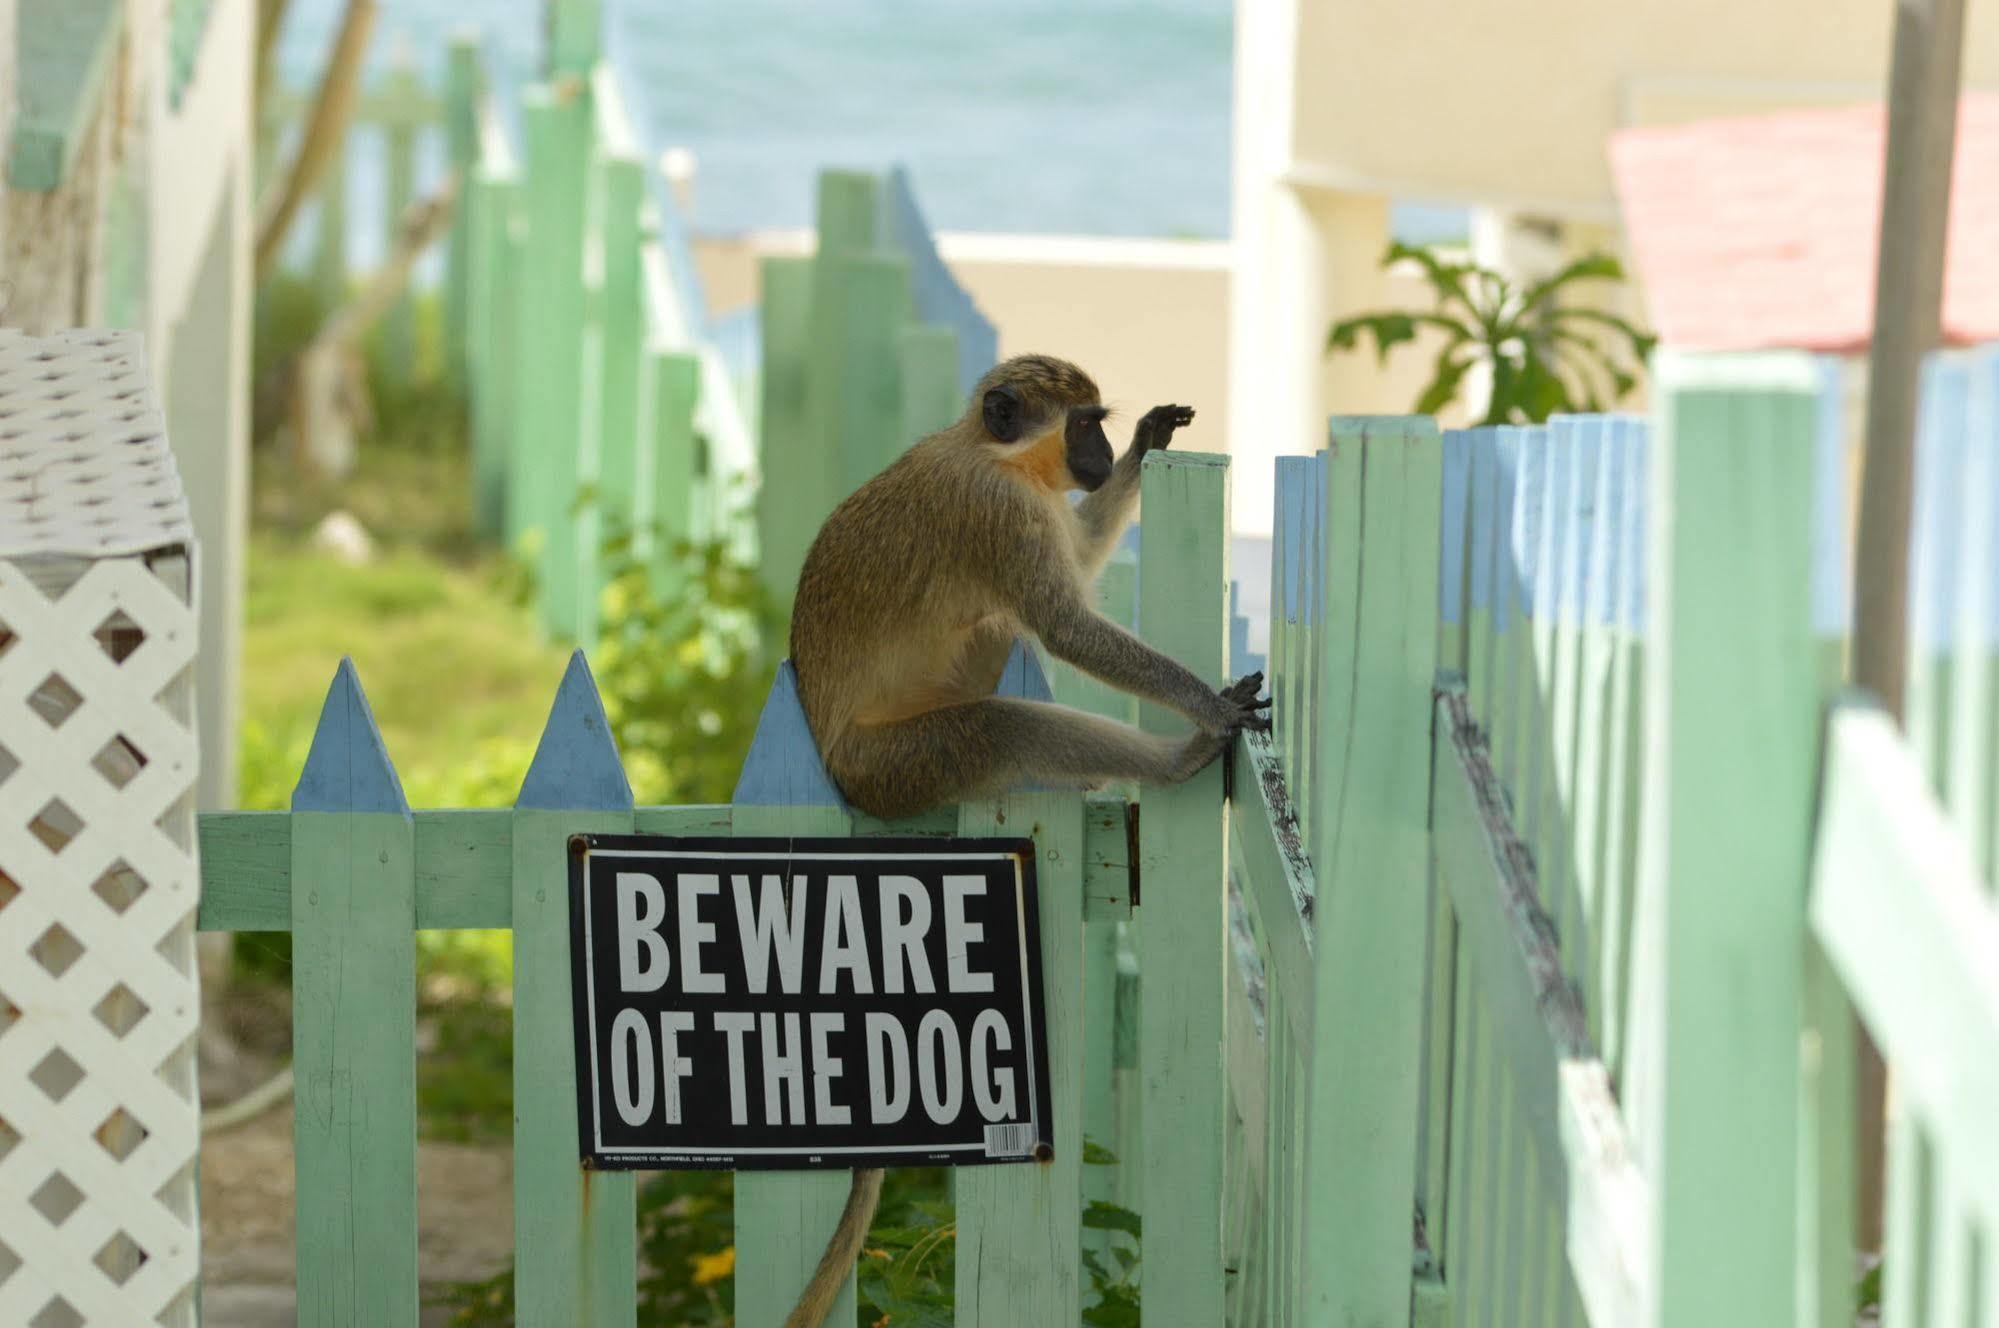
x=807 y=1003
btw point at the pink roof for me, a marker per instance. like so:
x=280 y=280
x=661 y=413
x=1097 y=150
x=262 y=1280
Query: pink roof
x=1760 y=232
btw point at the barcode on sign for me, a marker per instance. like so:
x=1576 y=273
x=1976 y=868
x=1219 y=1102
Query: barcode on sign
x=1009 y=1140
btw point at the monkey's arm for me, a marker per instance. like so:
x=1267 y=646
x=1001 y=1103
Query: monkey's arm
x=1106 y=512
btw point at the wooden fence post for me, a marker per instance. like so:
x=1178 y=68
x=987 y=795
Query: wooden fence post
x=1183 y=611
x=542 y=483
x=462 y=90
x=623 y=498
x=784 y=1217
x=353 y=927
x=797 y=469
x=931 y=397
x=1019 y=1227
x=673 y=390
x=871 y=295
x=575 y=1231
x=494 y=254
x=404 y=112
x=1370 y=857
x=1732 y=722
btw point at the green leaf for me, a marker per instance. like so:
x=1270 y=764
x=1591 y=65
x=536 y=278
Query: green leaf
x=1868 y=1294
x=1590 y=267
x=1101 y=1216
x=1096 y=1155
x=1447 y=279
x=1539 y=392
x=1443 y=387
x=1117 y=1309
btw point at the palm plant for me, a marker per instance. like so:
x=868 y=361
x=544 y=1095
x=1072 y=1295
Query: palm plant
x=1545 y=356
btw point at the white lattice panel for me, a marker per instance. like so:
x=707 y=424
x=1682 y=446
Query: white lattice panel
x=98 y=881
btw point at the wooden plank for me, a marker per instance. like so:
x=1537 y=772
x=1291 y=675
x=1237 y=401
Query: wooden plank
x=545 y=463
x=1294 y=490
x=931 y=397
x=1622 y=785
x=353 y=915
x=1482 y=584
x=1911 y=930
x=1500 y=715
x=1439 y=1007
x=783 y=1218
x=1908 y=1242
x=1276 y=876
x=462 y=89
x=1020 y=1227
x=1545 y=828
x=791 y=502
x=1973 y=775
x=1597 y=586
x=490 y=203
x=871 y=298
x=624 y=481
x=1447 y=1239
x=1730 y=556
x=1371 y=865
x=1107 y=860
x=575 y=1232
x=672 y=394
x=1520 y=751
x=1183 y=589
x=1582 y=456
x=1563 y=1104
x=1826 y=1102
x=1936 y=555
x=1454 y=526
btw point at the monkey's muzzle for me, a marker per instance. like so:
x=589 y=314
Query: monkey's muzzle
x=1089 y=450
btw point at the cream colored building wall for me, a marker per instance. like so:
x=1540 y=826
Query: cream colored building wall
x=1507 y=103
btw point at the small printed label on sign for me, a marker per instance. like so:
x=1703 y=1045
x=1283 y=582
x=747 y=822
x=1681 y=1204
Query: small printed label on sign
x=1009 y=1140
x=830 y=1003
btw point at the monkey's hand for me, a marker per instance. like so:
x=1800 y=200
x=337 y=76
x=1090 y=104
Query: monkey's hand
x=1242 y=696
x=1156 y=426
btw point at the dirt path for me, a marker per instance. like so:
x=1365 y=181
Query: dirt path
x=464 y=1220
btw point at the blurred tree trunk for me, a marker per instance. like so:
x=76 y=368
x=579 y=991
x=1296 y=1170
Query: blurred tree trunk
x=325 y=132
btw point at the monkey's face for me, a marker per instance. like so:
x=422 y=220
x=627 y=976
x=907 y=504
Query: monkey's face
x=1089 y=450
x=1010 y=417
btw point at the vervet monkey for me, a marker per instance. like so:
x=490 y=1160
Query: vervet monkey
x=908 y=605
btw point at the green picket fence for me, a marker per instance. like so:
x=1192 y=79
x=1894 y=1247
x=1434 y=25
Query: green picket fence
x=1515 y=984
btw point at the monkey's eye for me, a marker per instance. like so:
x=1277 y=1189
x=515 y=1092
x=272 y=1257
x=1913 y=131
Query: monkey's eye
x=1002 y=412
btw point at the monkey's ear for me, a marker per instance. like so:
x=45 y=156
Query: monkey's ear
x=1002 y=414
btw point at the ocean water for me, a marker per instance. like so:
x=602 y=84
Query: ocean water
x=1096 y=117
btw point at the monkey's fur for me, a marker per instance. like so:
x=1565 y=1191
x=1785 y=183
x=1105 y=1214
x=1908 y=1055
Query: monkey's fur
x=908 y=605
x=917 y=584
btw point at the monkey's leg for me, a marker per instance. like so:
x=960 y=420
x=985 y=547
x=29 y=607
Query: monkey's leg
x=985 y=747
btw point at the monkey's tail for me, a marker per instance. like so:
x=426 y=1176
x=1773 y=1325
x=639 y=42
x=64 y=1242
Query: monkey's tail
x=843 y=1249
